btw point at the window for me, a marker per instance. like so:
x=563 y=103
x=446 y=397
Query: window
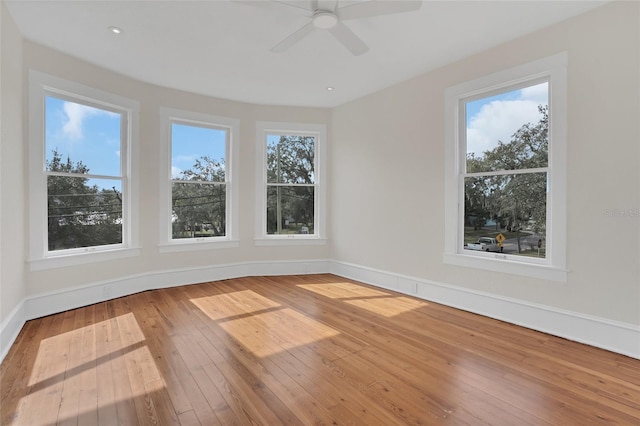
x=198 y=190
x=505 y=171
x=290 y=191
x=80 y=176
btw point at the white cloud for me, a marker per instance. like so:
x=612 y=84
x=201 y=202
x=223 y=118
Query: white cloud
x=76 y=114
x=538 y=93
x=175 y=172
x=498 y=120
x=189 y=159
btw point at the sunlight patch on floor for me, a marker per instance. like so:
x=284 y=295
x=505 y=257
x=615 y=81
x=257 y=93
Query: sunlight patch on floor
x=71 y=369
x=70 y=350
x=268 y=333
x=376 y=301
x=342 y=290
x=387 y=306
x=234 y=304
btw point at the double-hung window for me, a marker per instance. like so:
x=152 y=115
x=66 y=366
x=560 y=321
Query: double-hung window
x=290 y=189
x=81 y=189
x=506 y=190
x=198 y=186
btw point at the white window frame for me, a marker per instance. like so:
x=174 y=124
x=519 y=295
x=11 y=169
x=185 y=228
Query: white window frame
x=319 y=131
x=168 y=244
x=554 y=70
x=40 y=258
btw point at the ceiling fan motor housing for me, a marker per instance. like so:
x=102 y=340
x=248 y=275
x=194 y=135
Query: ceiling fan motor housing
x=327 y=17
x=324 y=20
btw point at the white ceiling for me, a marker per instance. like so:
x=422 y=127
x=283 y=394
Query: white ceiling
x=221 y=48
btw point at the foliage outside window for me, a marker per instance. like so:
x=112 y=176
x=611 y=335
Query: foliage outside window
x=505 y=182
x=505 y=195
x=290 y=193
x=84 y=175
x=290 y=184
x=82 y=186
x=199 y=192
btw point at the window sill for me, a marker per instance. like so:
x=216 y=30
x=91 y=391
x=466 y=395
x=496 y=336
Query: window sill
x=74 y=259
x=507 y=266
x=196 y=244
x=296 y=240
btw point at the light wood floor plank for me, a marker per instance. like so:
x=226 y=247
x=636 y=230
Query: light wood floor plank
x=313 y=349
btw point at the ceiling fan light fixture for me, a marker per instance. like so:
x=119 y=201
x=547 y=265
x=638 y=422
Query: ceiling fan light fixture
x=329 y=16
x=324 y=20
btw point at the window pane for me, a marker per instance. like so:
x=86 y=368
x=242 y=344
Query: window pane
x=81 y=139
x=198 y=210
x=198 y=153
x=508 y=131
x=290 y=210
x=290 y=159
x=83 y=212
x=512 y=205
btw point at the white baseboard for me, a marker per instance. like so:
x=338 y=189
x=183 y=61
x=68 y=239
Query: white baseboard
x=49 y=303
x=10 y=328
x=614 y=336
x=44 y=304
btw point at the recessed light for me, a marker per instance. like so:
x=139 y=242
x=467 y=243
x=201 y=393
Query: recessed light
x=330 y=88
x=115 y=30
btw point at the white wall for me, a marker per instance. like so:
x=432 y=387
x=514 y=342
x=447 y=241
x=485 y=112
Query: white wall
x=151 y=98
x=387 y=168
x=12 y=179
x=386 y=183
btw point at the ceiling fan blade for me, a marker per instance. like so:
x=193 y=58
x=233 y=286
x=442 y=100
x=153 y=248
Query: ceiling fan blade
x=377 y=8
x=348 y=38
x=293 y=38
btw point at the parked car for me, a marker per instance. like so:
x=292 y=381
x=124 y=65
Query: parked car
x=485 y=244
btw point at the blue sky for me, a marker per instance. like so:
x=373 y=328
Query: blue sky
x=192 y=142
x=498 y=117
x=84 y=134
x=92 y=136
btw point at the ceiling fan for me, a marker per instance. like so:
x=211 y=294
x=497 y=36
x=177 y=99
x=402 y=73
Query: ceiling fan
x=326 y=15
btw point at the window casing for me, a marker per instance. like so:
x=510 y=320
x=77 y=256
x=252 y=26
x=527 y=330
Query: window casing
x=81 y=187
x=199 y=194
x=521 y=193
x=290 y=191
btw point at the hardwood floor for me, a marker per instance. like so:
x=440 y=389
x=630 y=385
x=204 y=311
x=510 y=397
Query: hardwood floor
x=303 y=350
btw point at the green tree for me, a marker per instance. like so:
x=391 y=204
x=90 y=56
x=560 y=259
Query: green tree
x=523 y=197
x=528 y=148
x=80 y=214
x=512 y=199
x=291 y=178
x=199 y=200
x=480 y=194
